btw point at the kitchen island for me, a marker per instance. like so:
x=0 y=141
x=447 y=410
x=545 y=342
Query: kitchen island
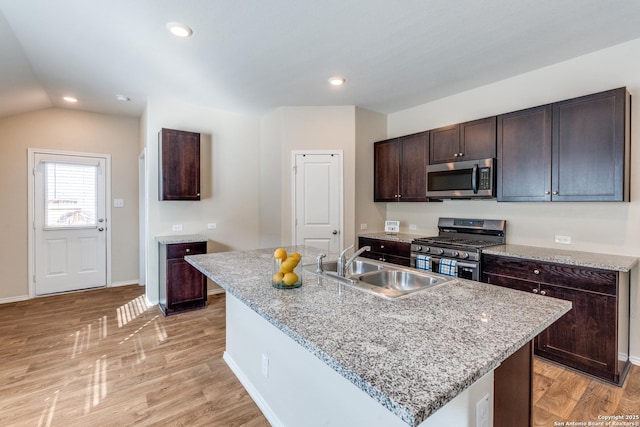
x=328 y=354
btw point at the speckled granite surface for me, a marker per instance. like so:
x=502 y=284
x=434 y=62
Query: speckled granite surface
x=413 y=355
x=582 y=259
x=395 y=237
x=183 y=238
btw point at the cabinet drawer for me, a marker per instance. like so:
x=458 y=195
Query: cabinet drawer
x=180 y=250
x=588 y=279
x=387 y=246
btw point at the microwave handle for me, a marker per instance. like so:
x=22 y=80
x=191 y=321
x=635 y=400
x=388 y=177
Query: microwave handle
x=474 y=179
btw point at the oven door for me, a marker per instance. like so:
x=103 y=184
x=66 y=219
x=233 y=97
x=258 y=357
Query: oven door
x=464 y=269
x=470 y=179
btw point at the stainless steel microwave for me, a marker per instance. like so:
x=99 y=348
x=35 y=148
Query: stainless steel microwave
x=471 y=179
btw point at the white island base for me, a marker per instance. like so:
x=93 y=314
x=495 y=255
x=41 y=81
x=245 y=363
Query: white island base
x=292 y=387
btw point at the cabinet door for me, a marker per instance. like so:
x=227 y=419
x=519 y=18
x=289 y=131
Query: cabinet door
x=524 y=155
x=187 y=284
x=590 y=138
x=585 y=337
x=179 y=162
x=413 y=168
x=478 y=139
x=510 y=282
x=444 y=144
x=386 y=164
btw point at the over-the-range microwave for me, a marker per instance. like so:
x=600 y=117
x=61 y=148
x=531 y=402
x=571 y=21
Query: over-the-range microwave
x=471 y=179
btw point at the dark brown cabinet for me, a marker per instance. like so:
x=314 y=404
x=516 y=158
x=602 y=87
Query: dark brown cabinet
x=400 y=169
x=465 y=141
x=182 y=286
x=387 y=250
x=574 y=150
x=179 y=165
x=587 y=337
x=513 y=389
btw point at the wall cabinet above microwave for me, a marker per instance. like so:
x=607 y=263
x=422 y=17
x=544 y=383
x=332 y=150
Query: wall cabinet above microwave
x=573 y=150
x=465 y=141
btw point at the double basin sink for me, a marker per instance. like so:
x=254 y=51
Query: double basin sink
x=381 y=279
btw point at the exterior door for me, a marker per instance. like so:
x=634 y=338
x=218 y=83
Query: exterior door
x=69 y=221
x=318 y=201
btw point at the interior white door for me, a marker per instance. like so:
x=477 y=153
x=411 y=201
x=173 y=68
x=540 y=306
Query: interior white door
x=69 y=221
x=318 y=201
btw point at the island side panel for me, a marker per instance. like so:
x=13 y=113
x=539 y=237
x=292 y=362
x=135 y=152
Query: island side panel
x=300 y=389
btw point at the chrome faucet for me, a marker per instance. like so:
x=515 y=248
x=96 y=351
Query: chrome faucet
x=319 y=266
x=343 y=265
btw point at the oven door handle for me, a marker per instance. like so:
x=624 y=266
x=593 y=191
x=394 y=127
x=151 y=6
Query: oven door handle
x=458 y=263
x=474 y=179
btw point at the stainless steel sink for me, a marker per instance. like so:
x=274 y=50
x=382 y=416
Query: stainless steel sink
x=382 y=279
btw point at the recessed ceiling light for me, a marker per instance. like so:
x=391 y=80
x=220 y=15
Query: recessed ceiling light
x=123 y=98
x=179 y=30
x=337 y=81
x=70 y=99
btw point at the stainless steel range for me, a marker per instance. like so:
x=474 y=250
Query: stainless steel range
x=457 y=249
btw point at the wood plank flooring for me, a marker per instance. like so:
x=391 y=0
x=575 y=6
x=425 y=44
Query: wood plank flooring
x=102 y=358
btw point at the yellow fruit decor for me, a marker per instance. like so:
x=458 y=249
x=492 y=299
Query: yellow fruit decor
x=284 y=266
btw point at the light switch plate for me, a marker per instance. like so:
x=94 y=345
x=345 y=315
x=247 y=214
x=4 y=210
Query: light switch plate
x=391 y=226
x=118 y=203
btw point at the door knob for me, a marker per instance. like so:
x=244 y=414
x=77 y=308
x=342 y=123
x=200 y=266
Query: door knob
x=334 y=232
x=100 y=229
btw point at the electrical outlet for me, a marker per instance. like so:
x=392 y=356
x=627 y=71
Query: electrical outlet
x=565 y=240
x=212 y=226
x=265 y=365
x=412 y=227
x=176 y=227
x=363 y=226
x=482 y=412
x=118 y=203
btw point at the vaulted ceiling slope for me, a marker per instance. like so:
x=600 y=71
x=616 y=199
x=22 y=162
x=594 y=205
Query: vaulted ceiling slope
x=252 y=56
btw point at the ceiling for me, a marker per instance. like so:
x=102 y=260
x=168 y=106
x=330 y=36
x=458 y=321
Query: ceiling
x=252 y=56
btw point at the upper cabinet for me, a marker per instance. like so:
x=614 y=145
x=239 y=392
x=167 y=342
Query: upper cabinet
x=400 y=169
x=179 y=165
x=465 y=141
x=573 y=150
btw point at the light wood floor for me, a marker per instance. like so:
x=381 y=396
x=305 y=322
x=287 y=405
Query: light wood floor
x=102 y=358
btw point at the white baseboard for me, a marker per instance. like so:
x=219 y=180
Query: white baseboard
x=634 y=360
x=14 y=299
x=124 y=283
x=253 y=392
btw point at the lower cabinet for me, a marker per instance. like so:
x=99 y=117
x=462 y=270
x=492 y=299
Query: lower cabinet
x=182 y=286
x=387 y=250
x=593 y=336
x=513 y=389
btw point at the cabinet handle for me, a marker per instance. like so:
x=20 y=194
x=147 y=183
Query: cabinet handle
x=543 y=292
x=534 y=290
x=555 y=193
x=399 y=195
x=547 y=192
x=381 y=246
x=188 y=250
x=460 y=154
x=536 y=271
x=455 y=155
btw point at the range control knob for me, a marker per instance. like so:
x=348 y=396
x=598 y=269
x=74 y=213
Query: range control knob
x=427 y=249
x=455 y=254
x=440 y=251
x=418 y=248
x=465 y=255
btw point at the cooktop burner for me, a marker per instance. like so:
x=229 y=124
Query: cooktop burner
x=455 y=241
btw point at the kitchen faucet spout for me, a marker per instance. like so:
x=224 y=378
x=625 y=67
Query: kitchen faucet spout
x=343 y=265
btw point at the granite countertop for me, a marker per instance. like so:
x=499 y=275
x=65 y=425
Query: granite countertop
x=394 y=237
x=181 y=238
x=412 y=355
x=562 y=256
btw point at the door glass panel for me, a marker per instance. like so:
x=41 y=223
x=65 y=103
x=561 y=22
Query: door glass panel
x=70 y=195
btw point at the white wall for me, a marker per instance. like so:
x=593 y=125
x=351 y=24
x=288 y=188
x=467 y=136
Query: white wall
x=230 y=163
x=303 y=128
x=66 y=130
x=594 y=227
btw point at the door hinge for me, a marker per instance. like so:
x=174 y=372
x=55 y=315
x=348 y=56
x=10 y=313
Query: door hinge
x=34 y=278
x=295 y=169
